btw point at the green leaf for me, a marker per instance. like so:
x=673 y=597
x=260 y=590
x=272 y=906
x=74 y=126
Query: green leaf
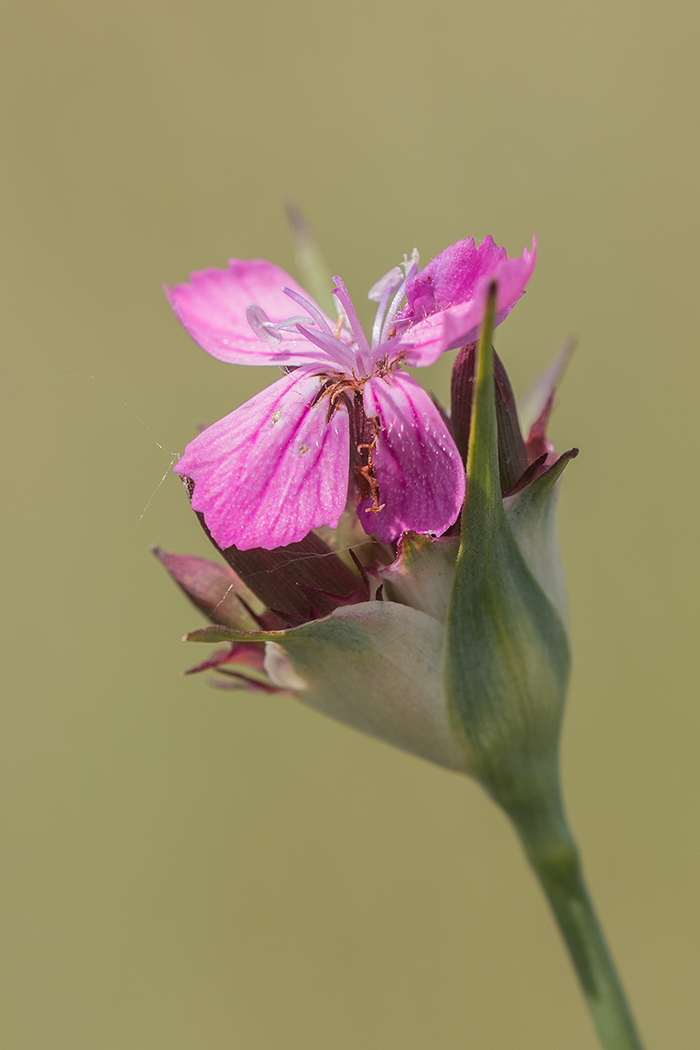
x=313 y=269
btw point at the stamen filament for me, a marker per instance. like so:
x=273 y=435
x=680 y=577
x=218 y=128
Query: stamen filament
x=396 y=302
x=341 y=293
x=312 y=310
x=379 y=316
x=261 y=324
x=289 y=324
x=340 y=353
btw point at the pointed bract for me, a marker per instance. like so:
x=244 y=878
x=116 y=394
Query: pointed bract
x=281 y=578
x=539 y=398
x=531 y=516
x=308 y=257
x=215 y=589
x=462 y=384
x=507 y=651
x=377 y=667
x=512 y=454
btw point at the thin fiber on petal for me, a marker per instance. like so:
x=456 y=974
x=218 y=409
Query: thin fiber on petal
x=417 y=465
x=211 y=306
x=457 y=325
x=272 y=470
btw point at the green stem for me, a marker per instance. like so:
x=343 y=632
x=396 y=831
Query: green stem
x=552 y=852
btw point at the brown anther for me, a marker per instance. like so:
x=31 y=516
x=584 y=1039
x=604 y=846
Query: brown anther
x=383 y=367
x=366 y=477
x=323 y=389
x=335 y=396
x=335 y=387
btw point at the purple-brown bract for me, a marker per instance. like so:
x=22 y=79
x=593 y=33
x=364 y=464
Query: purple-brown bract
x=280 y=465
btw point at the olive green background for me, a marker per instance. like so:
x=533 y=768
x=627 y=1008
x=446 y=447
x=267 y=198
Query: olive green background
x=184 y=868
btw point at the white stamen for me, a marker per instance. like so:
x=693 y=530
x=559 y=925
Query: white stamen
x=392 y=279
x=261 y=324
x=398 y=298
x=381 y=312
x=312 y=310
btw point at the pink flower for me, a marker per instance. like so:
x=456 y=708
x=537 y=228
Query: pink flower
x=280 y=465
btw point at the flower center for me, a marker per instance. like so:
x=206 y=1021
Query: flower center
x=353 y=359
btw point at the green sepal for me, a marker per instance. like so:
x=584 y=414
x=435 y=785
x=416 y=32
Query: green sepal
x=531 y=516
x=423 y=573
x=377 y=666
x=219 y=633
x=507 y=658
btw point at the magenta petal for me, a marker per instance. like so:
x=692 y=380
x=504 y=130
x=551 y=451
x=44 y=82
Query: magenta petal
x=272 y=470
x=417 y=466
x=451 y=277
x=212 y=309
x=454 y=326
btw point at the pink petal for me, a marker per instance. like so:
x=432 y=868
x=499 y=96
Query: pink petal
x=451 y=277
x=458 y=325
x=417 y=465
x=212 y=309
x=272 y=470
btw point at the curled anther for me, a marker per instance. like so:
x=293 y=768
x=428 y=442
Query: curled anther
x=325 y=386
x=334 y=387
x=366 y=477
x=335 y=399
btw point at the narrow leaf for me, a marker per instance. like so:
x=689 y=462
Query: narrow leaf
x=313 y=270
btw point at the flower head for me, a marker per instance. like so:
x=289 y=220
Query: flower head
x=451 y=647
x=345 y=413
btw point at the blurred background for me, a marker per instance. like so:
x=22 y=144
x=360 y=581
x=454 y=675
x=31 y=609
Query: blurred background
x=184 y=868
